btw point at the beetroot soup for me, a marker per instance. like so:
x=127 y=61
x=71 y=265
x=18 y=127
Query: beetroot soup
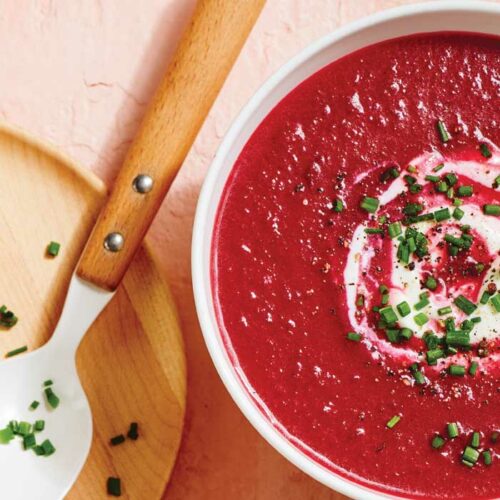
x=355 y=266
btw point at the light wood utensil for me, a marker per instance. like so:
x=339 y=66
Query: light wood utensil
x=198 y=70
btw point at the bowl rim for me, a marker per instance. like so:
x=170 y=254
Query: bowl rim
x=203 y=293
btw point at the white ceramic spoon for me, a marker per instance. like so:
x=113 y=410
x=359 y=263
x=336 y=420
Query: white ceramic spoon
x=195 y=76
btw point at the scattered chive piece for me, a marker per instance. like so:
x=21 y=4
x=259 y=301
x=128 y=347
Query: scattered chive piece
x=355 y=337
x=388 y=314
x=410 y=179
x=457 y=370
x=17 y=351
x=412 y=169
x=47 y=383
x=487 y=457
x=394 y=229
x=369 y=204
x=475 y=440
x=53 y=248
x=385 y=299
x=421 y=319
x=453 y=430
x=496 y=182
x=451 y=179
x=24 y=428
x=441 y=215
x=116 y=440
x=415 y=188
x=495 y=301
x=443 y=132
x=439 y=167
x=433 y=355
x=360 y=301
x=393 y=421
x=7 y=318
x=382 y=219
x=494 y=436
x=133 y=432
x=38 y=450
x=431 y=283
x=403 y=308
x=419 y=377
x=39 y=425
x=52 y=398
x=477 y=319
x=457 y=338
x=485 y=150
x=465 y=305
x=432 y=178
x=34 y=405
x=491 y=209
x=114 y=487
x=29 y=441
x=6 y=435
x=458 y=213
x=390 y=173
x=444 y=310
x=48 y=448
x=14 y=426
x=392 y=335
x=423 y=302
x=470 y=455
x=413 y=208
x=337 y=206
x=465 y=191
x=406 y=333
x=437 y=442
x=374 y=230
x=457 y=202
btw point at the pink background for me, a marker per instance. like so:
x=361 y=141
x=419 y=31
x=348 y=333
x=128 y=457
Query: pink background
x=79 y=73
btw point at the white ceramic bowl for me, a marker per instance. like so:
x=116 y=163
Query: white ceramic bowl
x=472 y=16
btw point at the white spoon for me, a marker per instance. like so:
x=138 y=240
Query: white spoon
x=196 y=74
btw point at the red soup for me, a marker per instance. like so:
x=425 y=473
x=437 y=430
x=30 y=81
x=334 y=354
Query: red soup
x=355 y=266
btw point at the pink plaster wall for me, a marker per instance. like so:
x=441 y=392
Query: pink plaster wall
x=79 y=73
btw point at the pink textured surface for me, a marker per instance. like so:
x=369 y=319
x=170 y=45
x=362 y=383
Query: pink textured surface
x=79 y=73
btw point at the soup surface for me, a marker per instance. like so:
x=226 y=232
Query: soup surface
x=355 y=266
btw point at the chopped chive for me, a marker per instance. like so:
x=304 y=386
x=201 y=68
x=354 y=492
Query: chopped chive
x=495 y=301
x=465 y=305
x=433 y=355
x=453 y=240
x=360 y=301
x=383 y=289
x=439 y=167
x=412 y=169
x=17 y=351
x=403 y=308
x=48 y=448
x=410 y=179
x=116 y=440
x=441 y=215
x=475 y=440
x=337 y=206
x=458 y=213
x=419 y=377
x=423 y=302
x=415 y=188
x=374 y=230
x=465 y=191
x=14 y=425
x=6 y=435
x=382 y=219
x=7 y=318
x=406 y=333
x=34 y=405
x=470 y=455
x=491 y=209
x=24 y=428
x=432 y=178
x=39 y=425
x=487 y=457
x=421 y=319
x=453 y=430
x=394 y=229
x=494 y=436
x=457 y=202
x=53 y=248
x=133 y=432
x=456 y=370
x=496 y=182
x=393 y=421
x=477 y=319
x=385 y=299
x=388 y=315
x=392 y=335
x=52 y=398
x=485 y=150
x=413 y=208
x=457 y=338
x=47 y=383
x=114 y=487
x=431 y=283
x=442 y=131
x=29 y=441
x=39 y=451
x=444 y=310
x=369 y=204
x=390 y=173
x=437 y=442
x=355 y=337
x=451 y=179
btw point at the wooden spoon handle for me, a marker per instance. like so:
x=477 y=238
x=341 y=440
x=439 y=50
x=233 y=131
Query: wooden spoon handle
x=197 y=72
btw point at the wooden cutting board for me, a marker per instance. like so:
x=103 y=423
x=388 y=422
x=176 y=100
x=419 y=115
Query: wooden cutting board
x=131 y=362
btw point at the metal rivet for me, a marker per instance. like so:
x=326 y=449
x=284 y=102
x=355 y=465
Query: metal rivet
x=143 y=183
x=114 y=242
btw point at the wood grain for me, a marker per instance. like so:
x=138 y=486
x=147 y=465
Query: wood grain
x=131 y=361
x=195 y=76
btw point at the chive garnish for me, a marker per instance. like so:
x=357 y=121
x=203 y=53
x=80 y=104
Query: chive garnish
x=456 y=370
x=113 y=486
x=495 y=302
x=394 y=229
x=465 y=191
x=432 y=178
x=494 y=436
x=6 y=435
x=470 y=455
x=453 y=430
x=491 y=209
x=439 y=167
x=465 y=305
x=48 y=448
x=29 y=441
x=337 y=206
x=442 y=131
x=369 y=204
x=393 y=421
x=116 y=440
x=431 y=283
x=392 y=335
x=485 y=150
x=39 y=425
x=388 y=315
x=423 y=302
x=437 y=442
x=487 y=457
x=441 y=215
x=458 y=213
x=390 y=173
x=374 y=230
x=355 y=337
x=444 y=310
x=17 y=351
x=421 y=319
x=403 y=308
x=406 y=334
x=475 y=440
x=24 y=428
x=34 y=405
x=133 y=432
x=47 y=383
x=433 y=355
x=52 y=398
x=53 y=248
x=457 y=338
